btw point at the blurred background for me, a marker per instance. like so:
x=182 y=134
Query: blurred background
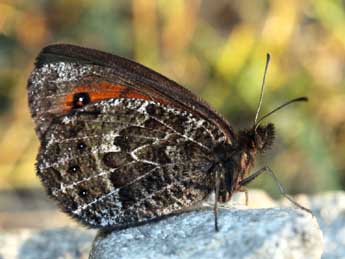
x=215 y=48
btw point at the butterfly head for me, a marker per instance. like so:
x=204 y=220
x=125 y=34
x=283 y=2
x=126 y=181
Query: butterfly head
x=257 y=139
x=263 y=137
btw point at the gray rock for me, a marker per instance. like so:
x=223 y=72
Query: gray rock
x=72 y=243
x=329 y=209
x=251 y=233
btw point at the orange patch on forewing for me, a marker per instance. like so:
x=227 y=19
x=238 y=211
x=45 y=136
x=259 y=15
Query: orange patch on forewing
x=102 y=91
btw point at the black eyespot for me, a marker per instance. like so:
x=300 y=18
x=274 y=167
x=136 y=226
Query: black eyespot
x=83 y=192
x=81 y=146
x=73 y=169
x=80 y=100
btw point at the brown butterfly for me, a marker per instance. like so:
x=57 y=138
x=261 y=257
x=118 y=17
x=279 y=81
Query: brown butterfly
x=122 y=145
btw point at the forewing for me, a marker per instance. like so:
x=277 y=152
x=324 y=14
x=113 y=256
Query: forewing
x=62 y=70
x=125 y=161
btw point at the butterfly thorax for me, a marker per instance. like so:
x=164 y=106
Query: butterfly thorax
x=238 y=159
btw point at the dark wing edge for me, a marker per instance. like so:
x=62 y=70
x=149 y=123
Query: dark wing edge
x=139 y=75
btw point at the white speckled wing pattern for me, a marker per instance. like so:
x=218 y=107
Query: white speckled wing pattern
x=121 y=144
x=125 y=161
x=49 y=84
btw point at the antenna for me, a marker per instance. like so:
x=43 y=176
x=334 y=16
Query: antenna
x=268 y=57
x=299 y=99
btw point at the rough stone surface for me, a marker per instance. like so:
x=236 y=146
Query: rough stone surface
x=46 y=244
x=252 y=233
x=329 y=208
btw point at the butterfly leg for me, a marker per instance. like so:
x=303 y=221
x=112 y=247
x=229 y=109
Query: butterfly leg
x=215 y=208
x=251 y=177
x=268 y=170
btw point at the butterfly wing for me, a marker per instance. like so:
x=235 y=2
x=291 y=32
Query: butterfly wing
x=65 y=69
x=135 y=147
x=124 y=161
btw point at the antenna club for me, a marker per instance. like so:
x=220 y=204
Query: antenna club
x=303 y=99
x=268 y=57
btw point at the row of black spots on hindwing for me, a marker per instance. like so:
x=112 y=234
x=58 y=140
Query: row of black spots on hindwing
x=72 y=157
x=70 y=174
x=83 y=195
x=67 y=160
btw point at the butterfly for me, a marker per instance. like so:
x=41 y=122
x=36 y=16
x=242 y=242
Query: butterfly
x=121 y=145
